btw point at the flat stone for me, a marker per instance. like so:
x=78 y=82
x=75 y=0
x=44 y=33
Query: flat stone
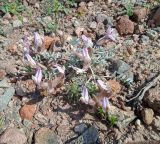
x=124 y=117
x=80 y=128
x=89 y=136
x=46 y=136
x=6 y=97
x=13 y=136
x=4 y=83
x=17 y=23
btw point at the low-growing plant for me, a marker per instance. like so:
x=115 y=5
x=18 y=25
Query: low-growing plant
x=15 y=7
x=74 y=92
x=56 y=6
x=128 y=7
x=112 y=120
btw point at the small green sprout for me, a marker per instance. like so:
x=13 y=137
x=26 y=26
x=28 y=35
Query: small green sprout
x=74 y=92
x=92 y=88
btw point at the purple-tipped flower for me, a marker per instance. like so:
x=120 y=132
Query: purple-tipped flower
x=60 y=69
x=29 y=59
x=86 y=54
x=38 y=76
x=105 y=105
x=87 y=41
x=37 y=40
x=110 y=34
x=102 y=85
x=85 y=96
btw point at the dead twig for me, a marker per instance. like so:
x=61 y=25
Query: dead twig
x=142 y=92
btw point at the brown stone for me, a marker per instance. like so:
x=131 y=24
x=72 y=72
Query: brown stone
x=139 y=13
x=147 y=115
x=48 y=41
x=2 y=74
x=115 y=86
x=156 y=17
x=153 y=99
x=27 y=111
x=125 y=25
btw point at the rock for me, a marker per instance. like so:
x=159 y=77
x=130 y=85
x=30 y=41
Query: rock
x=152 y=34
x=101 y=29
x=152 y=98
x=124 y=117
x=115 y=86
x=48 y=41
x=101 y=18
x=2 y=74
x=25 y=87
x=144 y=40
x=7 y=16
x=27 y=111
x=147 y=115
x=156 y=122
x=139 y=13
x=80 y=128
x=6 y=97
x=7 y=30
x=122 y=69
x=90 y=136
x=138 y=122
x=93 y=25
x=13 y=136
x=125 y=26
x=17 y=23
x=47 y=19
x=156 y=19
x=46 y=136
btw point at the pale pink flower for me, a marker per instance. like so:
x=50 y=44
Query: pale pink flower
x=110 y=34
x=86 y=57
x=85 y=96
x=29 y=59
x=38 y=76
x=105 y=105
x=87 y=41
x=37 y=40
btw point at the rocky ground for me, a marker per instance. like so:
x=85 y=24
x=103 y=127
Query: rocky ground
x=130 y=65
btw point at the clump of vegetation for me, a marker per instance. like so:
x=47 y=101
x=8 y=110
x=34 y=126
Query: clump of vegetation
x=15 y=7
x=56 y=6
x=111 y=119
x=128 y=7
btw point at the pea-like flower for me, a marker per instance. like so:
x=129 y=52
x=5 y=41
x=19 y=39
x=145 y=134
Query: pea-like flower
x=110 y=34
x=86 y=57
x=105 y=105
x=85 y=96
x=87 y=41
x=29 y=59
x=38 y=76
x=37 y=40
